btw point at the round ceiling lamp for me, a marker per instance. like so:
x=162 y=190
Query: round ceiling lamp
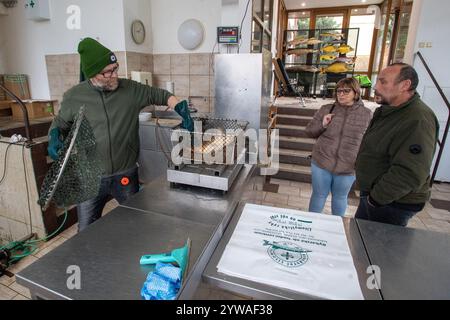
x=191 y=34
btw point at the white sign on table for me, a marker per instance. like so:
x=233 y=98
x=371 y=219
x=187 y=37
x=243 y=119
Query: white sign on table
x=295 y=250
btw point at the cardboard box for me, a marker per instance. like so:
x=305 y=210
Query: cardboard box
x=36 y=109
x=18 y=84
x=5 y=108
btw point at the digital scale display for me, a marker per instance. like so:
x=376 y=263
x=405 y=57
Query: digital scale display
x=228 y=35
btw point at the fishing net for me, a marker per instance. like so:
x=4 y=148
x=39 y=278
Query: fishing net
x=75 y=177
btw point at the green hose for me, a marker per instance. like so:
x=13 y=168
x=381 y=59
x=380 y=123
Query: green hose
x=28 y=247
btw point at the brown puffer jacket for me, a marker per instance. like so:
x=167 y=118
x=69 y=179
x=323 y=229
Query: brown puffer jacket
x=338 y=144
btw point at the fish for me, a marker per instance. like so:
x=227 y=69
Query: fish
x=277 y=245
x=343 y=49
x=333 y=35
x=299 y=52
x=302 y=68
x=327 y=57
x=346 y=60
x=298 y=41
x=329 y=49
x=337 y=67
x=313 y=41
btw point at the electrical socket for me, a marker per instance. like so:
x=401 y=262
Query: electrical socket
x=421 y=45
x=429 y=45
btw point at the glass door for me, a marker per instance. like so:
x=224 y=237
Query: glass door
x=329 y=21
x=359 y=18
x=401 y=37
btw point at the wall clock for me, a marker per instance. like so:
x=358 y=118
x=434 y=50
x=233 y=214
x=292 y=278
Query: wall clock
x=138 y=31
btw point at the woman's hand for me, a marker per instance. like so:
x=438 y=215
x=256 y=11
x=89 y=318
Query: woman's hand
x=327 y=120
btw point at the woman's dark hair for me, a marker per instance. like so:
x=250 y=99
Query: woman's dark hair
x=351 y=83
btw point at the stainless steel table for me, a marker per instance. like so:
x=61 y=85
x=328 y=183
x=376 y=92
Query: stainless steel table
x=414 y=264
x=257 y=290
x=191 y=203
x=157 y=219
x=108 y=252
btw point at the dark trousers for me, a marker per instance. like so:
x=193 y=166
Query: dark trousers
x=111 y=187
x=396 y=214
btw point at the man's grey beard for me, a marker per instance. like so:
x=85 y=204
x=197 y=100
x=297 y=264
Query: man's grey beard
x=106 y=86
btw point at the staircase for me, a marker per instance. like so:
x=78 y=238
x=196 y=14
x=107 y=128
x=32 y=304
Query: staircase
x=295 y=146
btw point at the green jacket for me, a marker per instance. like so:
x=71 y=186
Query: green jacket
x=114 y=118
x=396 y=153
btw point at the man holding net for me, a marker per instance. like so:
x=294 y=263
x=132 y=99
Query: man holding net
x=112 y=106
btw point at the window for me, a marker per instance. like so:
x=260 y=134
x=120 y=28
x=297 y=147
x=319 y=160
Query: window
x=402 y=36
x=299 y=20
x=365 y=22
x=262 y=25
x=329 y=21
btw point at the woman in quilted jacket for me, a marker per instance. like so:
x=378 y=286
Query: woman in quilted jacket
x=339 y=129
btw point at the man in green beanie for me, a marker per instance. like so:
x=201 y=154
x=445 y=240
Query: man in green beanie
x=112 y=107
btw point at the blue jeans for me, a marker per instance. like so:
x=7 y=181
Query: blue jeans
x=324 y=182
x=111 y=187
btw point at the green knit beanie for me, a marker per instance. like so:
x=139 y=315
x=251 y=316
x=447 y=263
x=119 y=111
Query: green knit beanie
x=94 y=57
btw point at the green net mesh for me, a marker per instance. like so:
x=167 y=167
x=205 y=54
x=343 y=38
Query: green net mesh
x=75 y=177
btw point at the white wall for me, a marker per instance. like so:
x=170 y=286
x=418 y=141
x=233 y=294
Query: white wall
x=168 y=15
x=27 y=42
x=432 y=25
x=138 y=10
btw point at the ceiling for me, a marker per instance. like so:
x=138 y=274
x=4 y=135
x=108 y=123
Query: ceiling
x=297 y=4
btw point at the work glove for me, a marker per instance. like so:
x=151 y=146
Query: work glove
x=183 y=110
x=54 y=143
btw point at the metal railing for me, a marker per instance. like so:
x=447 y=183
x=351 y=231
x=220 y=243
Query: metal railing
x=24 y=110
x=447 y=103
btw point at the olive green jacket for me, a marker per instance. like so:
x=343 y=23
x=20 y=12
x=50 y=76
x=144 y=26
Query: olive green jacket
x=396 y=153
x=114 y=118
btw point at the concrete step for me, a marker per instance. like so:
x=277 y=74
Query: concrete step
x=293 y=120
x=294 y=173
x=289 y=156
x=292 y=131
x=296 y=143
x=296 y=110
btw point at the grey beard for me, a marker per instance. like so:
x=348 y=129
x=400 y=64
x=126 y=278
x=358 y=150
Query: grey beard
x=104 y=87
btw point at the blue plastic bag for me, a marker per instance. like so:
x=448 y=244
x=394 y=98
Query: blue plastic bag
x=163 y=283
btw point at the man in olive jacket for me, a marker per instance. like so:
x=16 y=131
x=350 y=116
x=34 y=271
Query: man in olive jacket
x=395 y=157
x=112 y=107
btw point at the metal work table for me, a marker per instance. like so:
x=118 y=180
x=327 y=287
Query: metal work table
x=157 y=219
x=414 y=264
x=107 y=254
x=196 y=204
x=260 y=291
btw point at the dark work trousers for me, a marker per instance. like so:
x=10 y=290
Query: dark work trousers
x=396 y=214
x=111 y=187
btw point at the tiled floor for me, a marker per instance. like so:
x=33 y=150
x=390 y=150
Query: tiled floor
x=290 y=194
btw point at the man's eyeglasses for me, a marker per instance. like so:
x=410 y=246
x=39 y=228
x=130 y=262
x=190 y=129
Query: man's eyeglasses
x=108 y=74
x=344 y=91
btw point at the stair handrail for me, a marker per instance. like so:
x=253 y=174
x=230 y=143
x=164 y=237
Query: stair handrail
x=447 y=103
